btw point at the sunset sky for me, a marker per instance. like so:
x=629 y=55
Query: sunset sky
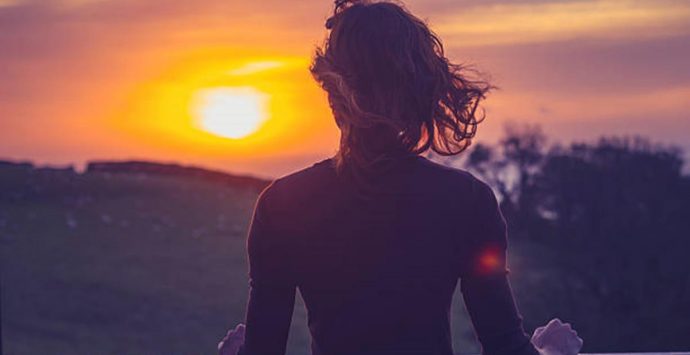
x=149 y=79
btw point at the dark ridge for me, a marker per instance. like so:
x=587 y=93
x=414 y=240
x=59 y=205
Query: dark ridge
x=153 y=168
x=19 y=165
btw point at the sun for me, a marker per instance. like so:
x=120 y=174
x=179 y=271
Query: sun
x=229 y=112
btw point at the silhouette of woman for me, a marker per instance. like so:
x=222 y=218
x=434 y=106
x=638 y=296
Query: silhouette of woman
x=377 y=237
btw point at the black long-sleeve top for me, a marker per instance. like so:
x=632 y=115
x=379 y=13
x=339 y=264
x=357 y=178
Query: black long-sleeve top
x=377 y=267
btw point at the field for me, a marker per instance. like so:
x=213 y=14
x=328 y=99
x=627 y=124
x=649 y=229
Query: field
x=129 y=263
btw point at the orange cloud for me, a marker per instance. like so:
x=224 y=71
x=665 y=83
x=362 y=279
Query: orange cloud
x=515 y=23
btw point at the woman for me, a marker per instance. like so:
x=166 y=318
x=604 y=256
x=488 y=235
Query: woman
x=376 y=238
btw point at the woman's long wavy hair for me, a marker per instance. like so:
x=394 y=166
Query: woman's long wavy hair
x=391 y=89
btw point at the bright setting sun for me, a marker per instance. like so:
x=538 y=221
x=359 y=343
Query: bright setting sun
x=230 y=112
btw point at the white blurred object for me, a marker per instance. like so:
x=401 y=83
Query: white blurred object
x=232 y=341
x=557 y=338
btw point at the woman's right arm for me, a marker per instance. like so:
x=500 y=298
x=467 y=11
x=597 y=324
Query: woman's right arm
x=484 y=282
x=496 y=320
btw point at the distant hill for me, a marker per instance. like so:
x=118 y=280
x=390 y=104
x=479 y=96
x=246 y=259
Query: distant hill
x=145 y=167
x=140 y=167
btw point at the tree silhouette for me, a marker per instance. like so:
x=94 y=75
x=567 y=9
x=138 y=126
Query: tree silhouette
x=615 y=215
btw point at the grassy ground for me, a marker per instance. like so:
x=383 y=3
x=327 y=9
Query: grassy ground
x=129 y=264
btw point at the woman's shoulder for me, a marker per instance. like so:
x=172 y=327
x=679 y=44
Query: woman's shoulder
x=316 y=172
x=454 y=177
x=429 y=175
x=300 y=181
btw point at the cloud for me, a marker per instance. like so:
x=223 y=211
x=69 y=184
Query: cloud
x=519 y=22
x=584 y=66
x=545 y=106
x=8 y=3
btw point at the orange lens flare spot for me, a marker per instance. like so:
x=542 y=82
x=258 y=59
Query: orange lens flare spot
x=490 y=261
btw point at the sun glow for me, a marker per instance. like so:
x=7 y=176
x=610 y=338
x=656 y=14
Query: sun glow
x=230 y=112
x=220 y=105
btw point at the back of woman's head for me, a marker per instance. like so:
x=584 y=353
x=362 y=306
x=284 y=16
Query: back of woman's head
x=391 y=88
